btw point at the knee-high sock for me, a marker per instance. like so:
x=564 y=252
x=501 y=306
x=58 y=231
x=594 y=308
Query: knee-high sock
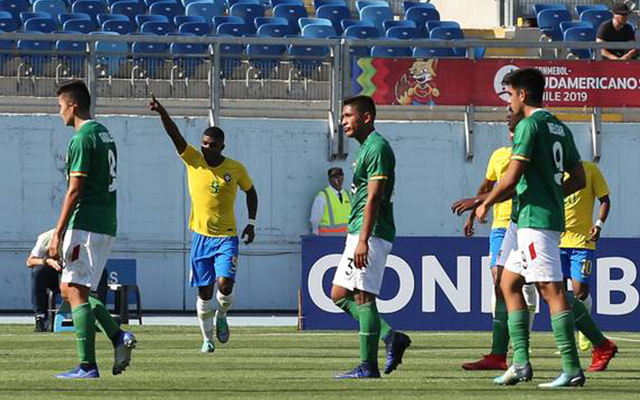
x=563 y=326
x=205 y=318
x=225 y=302
x=369 y=332
x=85 y=331
x=519 y=332
x=530 y=294
x=500 y=342
x=588 y=303
x=109 y=325
x=350 y=307
x=584 y=321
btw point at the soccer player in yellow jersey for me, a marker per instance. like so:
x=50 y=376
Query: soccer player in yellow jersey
x=213 y=183
x=578 y=242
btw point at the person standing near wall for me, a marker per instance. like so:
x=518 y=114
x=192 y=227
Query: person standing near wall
x=331 y=207
x=45 y=275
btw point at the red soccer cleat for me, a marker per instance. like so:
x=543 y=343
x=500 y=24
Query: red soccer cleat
x=602 y=356
x=487 y=363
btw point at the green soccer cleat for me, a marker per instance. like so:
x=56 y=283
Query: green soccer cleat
x=515 y=374
x=208 y=347
x=222 y=328
x=566 y=380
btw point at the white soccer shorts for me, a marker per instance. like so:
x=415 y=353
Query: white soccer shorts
x=367 y=279
x=85 y=254
x=509 y=244
x=538 y=256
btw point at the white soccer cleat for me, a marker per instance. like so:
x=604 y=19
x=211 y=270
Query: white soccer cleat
x=222 y=328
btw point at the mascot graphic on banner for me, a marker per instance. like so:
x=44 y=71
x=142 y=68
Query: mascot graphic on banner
x=417 y=87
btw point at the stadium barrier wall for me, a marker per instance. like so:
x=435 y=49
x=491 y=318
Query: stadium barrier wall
x=445 y=284
x=288 y=162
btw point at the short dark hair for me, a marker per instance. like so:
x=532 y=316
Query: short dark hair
x=78 y=92
x=334 y=169
x=364 y=104
x=531 y=80
x=514 y=119
x=214 y=132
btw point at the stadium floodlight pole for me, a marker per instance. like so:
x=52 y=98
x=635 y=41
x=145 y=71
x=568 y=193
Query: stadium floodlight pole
x=91 y=76
x=215 y=100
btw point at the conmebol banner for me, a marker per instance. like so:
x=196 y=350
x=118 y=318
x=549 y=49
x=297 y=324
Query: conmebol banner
x=444 y=283
x=479 y=82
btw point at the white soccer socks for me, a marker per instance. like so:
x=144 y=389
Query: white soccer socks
x=530 y=294
x=225 y=301
x=205 y=318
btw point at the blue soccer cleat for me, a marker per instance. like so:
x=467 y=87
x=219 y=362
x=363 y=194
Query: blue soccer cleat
x=362 y=371
x=566 y=380
x=515 y=374
x=395 y=350
x=208 y=347
x=79 y=373
x=222 y=328
x=122 y=352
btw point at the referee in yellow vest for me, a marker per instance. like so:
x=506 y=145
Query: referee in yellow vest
x=331 y=207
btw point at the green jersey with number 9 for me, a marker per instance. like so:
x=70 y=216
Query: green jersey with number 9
x=547 y=145
x=92 y=155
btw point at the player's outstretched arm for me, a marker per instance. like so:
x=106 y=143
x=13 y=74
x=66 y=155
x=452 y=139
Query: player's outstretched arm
x=169 y=125
x=76 y=187
x=576 y=180
x=503 y=189
x=462 y=205
x=252 y=210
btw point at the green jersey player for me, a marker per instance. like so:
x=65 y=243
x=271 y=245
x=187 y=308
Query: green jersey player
x=358 y=278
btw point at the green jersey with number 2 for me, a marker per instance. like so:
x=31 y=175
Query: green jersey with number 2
x=92 y=155
x=547 y=145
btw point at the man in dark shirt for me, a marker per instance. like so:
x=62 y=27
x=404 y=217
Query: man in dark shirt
x=617 y=30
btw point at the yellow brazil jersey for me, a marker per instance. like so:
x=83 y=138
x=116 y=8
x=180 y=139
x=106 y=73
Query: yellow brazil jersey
x=496 y=169
x=213 y=193
x=578 y=209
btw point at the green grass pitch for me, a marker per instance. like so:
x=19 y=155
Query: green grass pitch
x=281 y=363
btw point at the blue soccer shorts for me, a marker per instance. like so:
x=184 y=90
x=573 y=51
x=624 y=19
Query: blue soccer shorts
x=495 y=242
x=577 y=264
x=212 y=257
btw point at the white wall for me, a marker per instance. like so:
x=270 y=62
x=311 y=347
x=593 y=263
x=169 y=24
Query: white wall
x=287 y=160
x=471 y=14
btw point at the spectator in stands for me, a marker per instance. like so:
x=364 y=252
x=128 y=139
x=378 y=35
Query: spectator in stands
x=331 y=207
x=45 y=274
x=617 y=30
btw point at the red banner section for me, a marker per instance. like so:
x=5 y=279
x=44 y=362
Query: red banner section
x=468 y=82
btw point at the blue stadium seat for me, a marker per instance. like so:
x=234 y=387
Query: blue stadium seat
x=231 y=3
x=78 y=25
x=450 y=34
x=149 y=56
x=189 y=52
x=360 y=32
x=6 y=50
x=157 y=28
x=549 y=22
x=36 y=62
x=420 y=15
x=390 y=23
x=185 y=3
x=306 y=66
x=181 y=19
x=391 y=51
x=403 y=32
x=580 y=8
x=121 y=27
x=64 y=17
x=217 y=21
x=346 y=23
x=336 y=14
x=42 y=25
x=302 y=22
x=264 y=57
x=377 y=15
x=274 y=30
x=233 y=29
x=409 y=4
x=169 y=10
x=318 y=31
x=111 y=56
x=15 y=7
x=596 y=17
x=74 y=62
x=51 y=7
x=233 y=54
x=259 y=21
x=366 y=3
x=102 y=18
x=433 y=52
x=91 y=7
x=149 y=3
x=7 y=22
x=431 y=25
x=580 y=34
x=141 y=19
x=574 y=24
x=249 y=12
x=208 y=11
x=538 y=8
x=195 y=28
x=27 y=15
x=319 y=3
x=275 y=3
x=130 y=8
x=292 y=13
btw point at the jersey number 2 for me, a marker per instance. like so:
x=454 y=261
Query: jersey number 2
x=112 y=171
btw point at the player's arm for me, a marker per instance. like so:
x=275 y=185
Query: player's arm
x=375 y=193
x=252 y=210
x=576 y=180
x=33 y=261
x=74 y=192
x=462 y=205
x=504 y=189
x=169 y=125
x=603 y=214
